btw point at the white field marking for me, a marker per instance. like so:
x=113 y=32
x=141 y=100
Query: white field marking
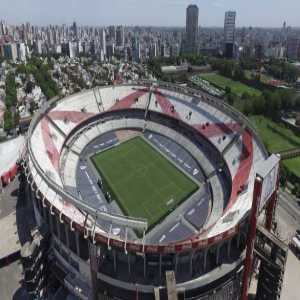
x=173 y=155
x=82 y=167
x=170 y=202
x=162 y=238
x=180 y=160
x=150 y=136
x=96 y=146
x=174 y=227
x=102 y=144
x=89 y=178
x=192 y=211
x=93 y=186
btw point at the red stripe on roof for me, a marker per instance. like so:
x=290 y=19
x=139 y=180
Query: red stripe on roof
x=51 y=149
x=242 y=175
x=214 y=129
x=72 y=116
x=129 y=100
x=166 y=105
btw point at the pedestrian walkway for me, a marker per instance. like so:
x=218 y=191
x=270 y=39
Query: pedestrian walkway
x=9 y=236
x=290 y=288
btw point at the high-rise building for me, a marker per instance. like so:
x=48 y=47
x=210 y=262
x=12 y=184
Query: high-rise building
x=120 y=40
x=153 y=50
x=38 y=47
x=112 y=33
x=191 y=42
x=110 y=50
x=174 y=50
x=103 y=41
x=21 y=51
x=293 y=47
x=229 y=33
x=10 y=51
x=75 y=31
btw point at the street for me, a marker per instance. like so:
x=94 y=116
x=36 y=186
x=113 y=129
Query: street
x=288 y=219
x=287 y=215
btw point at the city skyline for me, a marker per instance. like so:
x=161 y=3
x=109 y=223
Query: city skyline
x=142 y=13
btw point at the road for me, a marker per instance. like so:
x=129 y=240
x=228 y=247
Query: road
x=288 y=219
x=16 y=219
x=287 y=215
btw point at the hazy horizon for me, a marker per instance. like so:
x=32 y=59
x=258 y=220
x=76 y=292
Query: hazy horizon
x=157 y=13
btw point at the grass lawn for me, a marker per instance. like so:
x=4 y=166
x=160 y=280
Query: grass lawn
x=275 y=135
x=142 y=181
x=222 y=82
x=293 y=165
x=278 y=138
x=263 y=78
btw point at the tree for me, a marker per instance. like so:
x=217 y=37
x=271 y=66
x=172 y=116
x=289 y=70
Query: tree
x=10 y=90
x=228 y=90
x=230 y=99
x=296 y=190
x=239 y=73
x=41 y=73
x=246 y=96
x=8 y=121
x=247 y=109
x=258 y=105
x=283 y=70
x=283 y=176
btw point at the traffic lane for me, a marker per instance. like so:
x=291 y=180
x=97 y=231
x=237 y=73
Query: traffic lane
x=287 y=202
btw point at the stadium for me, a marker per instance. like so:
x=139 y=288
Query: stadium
x=135 y=180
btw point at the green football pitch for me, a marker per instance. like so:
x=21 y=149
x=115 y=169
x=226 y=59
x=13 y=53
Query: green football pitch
x=142 y=181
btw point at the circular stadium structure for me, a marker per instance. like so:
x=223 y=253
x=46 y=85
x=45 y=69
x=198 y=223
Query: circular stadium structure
x=136 y=180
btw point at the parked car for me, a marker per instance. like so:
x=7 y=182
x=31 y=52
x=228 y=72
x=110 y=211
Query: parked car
x=295 y=245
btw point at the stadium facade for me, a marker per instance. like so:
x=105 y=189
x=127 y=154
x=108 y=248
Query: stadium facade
x=97 y=250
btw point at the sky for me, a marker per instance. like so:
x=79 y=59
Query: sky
x=262 y=13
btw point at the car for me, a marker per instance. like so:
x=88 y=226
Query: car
x=295 y=245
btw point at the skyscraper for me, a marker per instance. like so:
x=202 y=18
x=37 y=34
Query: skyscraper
x=75 y=31
x=120 y=36
x=229 y=33
x=293 y=47
x=192 y=14
x=103 y=41
x=112 y=33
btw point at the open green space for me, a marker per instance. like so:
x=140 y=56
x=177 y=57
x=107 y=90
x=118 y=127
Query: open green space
x=142 y=181
x=263 y=77
x=236 y=87
x=278 y=138
x=293 y=165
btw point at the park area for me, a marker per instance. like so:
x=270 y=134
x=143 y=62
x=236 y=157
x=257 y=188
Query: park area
x=236 y=87
x=142 y=181
x=277 y=138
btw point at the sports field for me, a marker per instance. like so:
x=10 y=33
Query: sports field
x=236 y=87
x=142 y=181
x=278 y=138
